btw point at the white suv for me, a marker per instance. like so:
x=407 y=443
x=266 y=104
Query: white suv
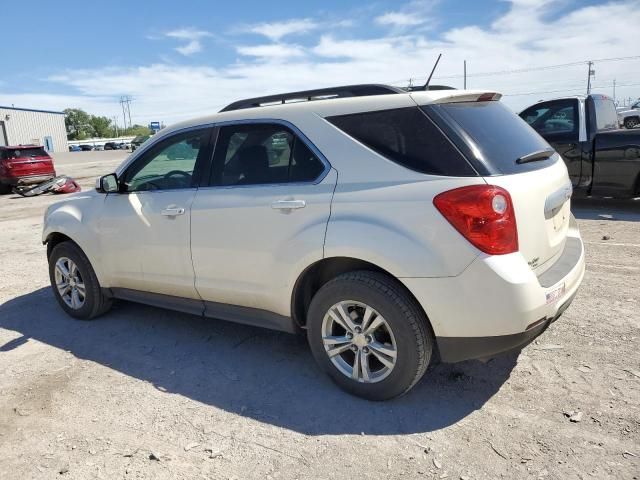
x=394 y=227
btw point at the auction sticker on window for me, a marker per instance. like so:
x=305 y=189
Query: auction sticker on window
x=555 y=294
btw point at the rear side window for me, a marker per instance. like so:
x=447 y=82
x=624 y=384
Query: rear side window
x=408 y=137
x=497 y=133
x=259 y=154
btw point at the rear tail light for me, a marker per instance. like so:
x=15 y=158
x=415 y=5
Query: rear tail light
x=483 y=214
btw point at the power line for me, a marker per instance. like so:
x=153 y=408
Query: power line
x=618 y=85
x=528 y=69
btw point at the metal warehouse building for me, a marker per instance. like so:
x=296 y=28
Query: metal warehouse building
x=22 y=126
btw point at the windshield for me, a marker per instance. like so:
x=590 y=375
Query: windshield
x=499 y=137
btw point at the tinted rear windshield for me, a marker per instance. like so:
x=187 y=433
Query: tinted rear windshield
x=24 y=152
x=408 y=137
x=498 y=136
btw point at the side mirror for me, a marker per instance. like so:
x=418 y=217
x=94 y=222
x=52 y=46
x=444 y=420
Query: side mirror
x=108 y=184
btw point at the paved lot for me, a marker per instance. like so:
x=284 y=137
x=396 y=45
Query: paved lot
x=146 y=393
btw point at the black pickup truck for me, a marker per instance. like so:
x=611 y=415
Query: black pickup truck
x=602 y=159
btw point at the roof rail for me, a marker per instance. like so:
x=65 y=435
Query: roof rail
x=320 y=94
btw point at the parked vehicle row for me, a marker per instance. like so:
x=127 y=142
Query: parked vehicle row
x=362 y=217
x=87 y=147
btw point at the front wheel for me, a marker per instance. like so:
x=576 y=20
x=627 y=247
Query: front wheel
x=75 y=284
x=369 y=335
x=631 y=122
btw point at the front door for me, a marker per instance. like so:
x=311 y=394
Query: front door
x=558 y=122
x=262 y=218
x=145 y=229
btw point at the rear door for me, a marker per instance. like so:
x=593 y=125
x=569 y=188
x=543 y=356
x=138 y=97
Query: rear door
x=558 y=122
x=540 y=188
x=261 y=216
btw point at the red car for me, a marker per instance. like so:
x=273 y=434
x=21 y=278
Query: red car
x=23 y=165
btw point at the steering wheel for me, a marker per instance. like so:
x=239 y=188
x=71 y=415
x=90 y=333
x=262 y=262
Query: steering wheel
x=177 y=172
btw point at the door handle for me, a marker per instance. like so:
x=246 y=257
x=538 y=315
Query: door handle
x=172 y=211
x=288 y=204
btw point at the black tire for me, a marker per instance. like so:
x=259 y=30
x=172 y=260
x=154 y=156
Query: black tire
x=405 y=318
x=632 y=122
x=4 y=188
x=96 y=302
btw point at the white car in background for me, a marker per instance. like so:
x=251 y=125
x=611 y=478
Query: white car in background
x=394 y=227
x=630 y=116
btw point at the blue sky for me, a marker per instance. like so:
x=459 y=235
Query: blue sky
x=182 y=59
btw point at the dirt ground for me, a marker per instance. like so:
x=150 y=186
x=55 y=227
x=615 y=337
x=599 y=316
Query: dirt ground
x=146 y=393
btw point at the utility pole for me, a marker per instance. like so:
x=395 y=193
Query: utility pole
x=115 y=125
x=125 y=103
x=614 y=90
x=590 y=73
x=465 y=74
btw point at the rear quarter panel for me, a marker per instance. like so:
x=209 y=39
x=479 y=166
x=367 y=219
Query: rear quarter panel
x=395 y=226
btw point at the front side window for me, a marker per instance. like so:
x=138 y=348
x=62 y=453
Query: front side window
x=554 y=117
x=258 y=154
x=168 y=165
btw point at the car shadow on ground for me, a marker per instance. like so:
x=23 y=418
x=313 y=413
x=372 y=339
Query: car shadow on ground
x=261 y=374
x=587 y=208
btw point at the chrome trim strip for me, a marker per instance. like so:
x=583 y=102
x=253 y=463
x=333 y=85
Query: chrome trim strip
x=557 y=199
x=582 y=116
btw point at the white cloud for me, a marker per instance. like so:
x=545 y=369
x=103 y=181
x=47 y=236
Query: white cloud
x=274 y=50
x=399 y=19
x=277 y=30
x=524 y=37
x=192 y=36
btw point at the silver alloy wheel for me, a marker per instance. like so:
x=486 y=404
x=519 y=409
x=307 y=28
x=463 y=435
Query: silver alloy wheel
x=69 y=283
x=359 y=341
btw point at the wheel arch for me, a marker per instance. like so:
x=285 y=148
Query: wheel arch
x=326 y=269
x=55 y=238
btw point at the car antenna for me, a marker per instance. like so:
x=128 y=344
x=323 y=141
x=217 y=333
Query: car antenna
x=426 y=85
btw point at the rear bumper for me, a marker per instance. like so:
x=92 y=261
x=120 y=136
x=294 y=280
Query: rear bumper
x=498 y=303
x=27 y=180
x=457 y=349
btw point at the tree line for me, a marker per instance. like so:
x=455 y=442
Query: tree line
x=82 y=125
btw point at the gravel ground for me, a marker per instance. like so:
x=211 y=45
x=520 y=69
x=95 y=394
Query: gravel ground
x=147 y=393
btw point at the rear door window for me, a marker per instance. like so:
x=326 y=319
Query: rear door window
x=408 y=137
x=260 y=154
x=497 y=136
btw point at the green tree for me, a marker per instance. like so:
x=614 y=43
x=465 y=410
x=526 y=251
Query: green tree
x=101 y=126
x=136 y=130
x=78 y=123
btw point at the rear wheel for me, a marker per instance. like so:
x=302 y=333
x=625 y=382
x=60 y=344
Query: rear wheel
x=75 y=284
x=369 y=335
